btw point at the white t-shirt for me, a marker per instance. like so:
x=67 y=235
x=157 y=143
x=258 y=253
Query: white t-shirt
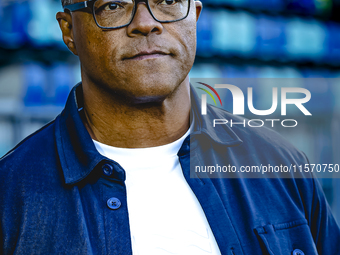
x=164 y=214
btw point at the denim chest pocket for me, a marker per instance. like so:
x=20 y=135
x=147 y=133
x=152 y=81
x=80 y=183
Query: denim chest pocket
x=291 y=238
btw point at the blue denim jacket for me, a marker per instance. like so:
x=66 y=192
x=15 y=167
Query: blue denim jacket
x=55 y=191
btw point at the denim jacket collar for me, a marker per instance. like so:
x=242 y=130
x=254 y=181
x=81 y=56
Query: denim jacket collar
x=203 y=124
x=79 y=156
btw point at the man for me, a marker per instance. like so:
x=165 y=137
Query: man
x=110 y=175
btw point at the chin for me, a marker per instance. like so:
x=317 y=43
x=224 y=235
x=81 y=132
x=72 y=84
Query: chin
x=152 y=90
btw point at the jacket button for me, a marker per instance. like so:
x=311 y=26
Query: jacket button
x=107 y=169
x=113 y=203
x=298 y=252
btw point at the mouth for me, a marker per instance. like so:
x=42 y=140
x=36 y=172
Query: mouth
x=147 y=55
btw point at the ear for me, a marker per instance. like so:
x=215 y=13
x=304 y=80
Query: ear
x=65 y=24
x=199 y=7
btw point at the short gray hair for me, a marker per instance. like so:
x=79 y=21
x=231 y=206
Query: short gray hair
x=66 y=2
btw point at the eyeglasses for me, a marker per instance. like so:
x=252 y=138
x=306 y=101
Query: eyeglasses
x=110 y=14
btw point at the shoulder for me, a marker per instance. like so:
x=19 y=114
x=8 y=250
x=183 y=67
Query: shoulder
x=31 y=157
x=268 y=160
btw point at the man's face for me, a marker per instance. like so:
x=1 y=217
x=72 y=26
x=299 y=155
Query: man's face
x=145 y=61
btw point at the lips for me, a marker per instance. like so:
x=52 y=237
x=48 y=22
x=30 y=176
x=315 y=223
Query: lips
x=147 y=55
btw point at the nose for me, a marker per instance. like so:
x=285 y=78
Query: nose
x=143 y=23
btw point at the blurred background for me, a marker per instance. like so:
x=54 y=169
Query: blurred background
x=236 y=39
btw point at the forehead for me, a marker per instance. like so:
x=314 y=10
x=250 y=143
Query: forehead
x=78 y=1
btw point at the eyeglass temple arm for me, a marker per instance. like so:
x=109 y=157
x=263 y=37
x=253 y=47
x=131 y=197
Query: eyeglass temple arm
x=77 y=6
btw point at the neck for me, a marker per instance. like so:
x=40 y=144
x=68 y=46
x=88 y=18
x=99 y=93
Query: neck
x=127 y=124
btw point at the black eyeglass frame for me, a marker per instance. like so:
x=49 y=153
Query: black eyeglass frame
x=90 y=4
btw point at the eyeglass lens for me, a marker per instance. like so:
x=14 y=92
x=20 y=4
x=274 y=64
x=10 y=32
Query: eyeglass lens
x=110 y=13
